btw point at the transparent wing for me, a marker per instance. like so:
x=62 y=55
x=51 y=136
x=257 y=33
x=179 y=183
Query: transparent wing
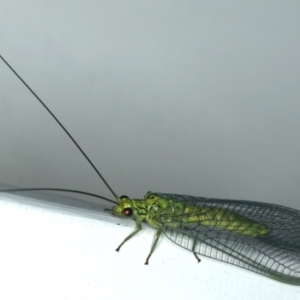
x=276 y=254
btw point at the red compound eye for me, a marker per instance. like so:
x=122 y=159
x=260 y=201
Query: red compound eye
x=127 y=212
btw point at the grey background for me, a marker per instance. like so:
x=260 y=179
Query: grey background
x=187 y=97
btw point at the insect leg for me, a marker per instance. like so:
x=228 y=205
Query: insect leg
x=158 y=233
x=138 y=228
x=193 y=249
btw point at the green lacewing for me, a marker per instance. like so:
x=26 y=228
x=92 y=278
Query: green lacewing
x=260 y=237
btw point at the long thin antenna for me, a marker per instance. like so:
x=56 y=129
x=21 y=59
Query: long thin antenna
x=59 y=190
x=62 y=126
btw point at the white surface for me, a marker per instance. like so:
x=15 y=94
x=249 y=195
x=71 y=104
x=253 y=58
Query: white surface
x=48 y=252
x=188 y=97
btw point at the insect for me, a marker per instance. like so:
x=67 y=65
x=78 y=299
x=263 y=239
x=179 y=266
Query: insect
x=263 y=238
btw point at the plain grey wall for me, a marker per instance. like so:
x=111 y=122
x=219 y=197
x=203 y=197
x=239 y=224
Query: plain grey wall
x=188 y=97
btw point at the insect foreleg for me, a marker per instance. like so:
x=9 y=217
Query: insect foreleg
x=138 y=228
x=158 y=233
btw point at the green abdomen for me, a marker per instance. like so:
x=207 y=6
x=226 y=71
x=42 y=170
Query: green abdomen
x=224 y=219
x=178 y=215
